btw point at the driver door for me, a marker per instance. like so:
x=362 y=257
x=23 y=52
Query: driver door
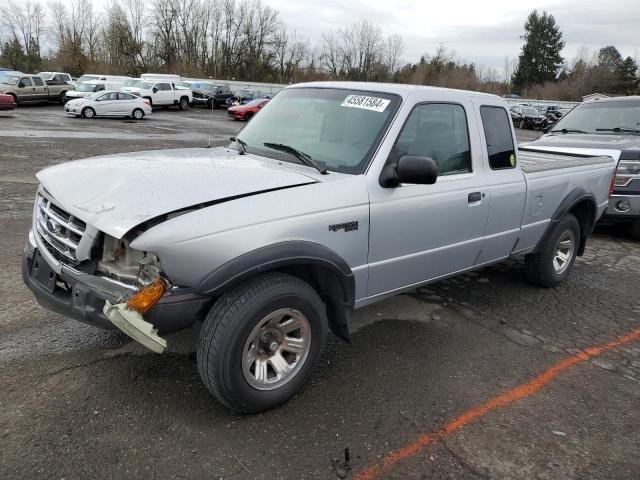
x=423 y=232
x=105 y=104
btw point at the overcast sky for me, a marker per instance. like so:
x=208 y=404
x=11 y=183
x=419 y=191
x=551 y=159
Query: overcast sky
x=479 y=31
x=483 y=32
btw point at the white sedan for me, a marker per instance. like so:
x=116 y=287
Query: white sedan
x=109 y=104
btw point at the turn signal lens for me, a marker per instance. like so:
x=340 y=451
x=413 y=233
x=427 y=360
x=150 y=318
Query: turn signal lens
x=148 y=296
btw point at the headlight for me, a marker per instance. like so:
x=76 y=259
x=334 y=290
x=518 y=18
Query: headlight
x=627 y=171
x=149 y=270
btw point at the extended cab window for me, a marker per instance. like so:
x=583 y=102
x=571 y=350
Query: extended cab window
x=38 y=81
x=438 y=131
x=497 y=131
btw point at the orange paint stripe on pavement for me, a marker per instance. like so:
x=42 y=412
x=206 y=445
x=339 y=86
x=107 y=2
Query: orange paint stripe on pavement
x=519 y=392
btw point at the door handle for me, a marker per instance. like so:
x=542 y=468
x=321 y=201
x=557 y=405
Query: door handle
x=474 y=197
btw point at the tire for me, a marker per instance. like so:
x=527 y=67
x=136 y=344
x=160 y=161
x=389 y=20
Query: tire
x=61 y=98
x=546 y=268
x=88 y=112
x=233 y=323
x=634 y=229
x=522 y=125
x=183 y=104
x=138 y=114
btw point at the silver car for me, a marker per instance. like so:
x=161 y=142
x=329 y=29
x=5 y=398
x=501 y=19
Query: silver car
x=335 y=196
x=109 y=104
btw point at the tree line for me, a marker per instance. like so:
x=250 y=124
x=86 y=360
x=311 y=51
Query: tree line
x=248 y=40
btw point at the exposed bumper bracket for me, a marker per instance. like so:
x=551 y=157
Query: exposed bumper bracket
x=132 y=323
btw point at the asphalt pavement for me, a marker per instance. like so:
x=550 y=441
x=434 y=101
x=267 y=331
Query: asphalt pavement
x=482 y=376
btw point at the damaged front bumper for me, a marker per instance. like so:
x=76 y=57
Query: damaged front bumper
x=83 y=297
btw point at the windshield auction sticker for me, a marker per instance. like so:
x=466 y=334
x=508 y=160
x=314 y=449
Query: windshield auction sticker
x=368 y=103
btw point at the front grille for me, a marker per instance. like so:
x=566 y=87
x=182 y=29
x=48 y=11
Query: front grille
x=60 y=231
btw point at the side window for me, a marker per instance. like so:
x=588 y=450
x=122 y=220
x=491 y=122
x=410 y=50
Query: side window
x=112 y=96
x=438 y=131
x=125 y=96
x=164 y=86
x=38 y=82
x=497 y=131
x=26 y=82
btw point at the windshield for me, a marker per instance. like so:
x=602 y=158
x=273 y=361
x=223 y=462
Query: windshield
x=338 y=128
x=209 y=87
x=86 y=87
x=530 y=111
x=592 y=116
x=86 y=78
x=10 y=79
x=134 y=82
x=95 y=95
x=255 y=103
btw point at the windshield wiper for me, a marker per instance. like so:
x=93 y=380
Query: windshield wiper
x=242 y=143
x=618 y=130
x=567 y=130
x=303 y=157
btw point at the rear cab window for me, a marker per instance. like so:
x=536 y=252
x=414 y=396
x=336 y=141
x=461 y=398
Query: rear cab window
x=499 y=138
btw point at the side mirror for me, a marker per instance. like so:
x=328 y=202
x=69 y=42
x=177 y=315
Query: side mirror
x=410 y=169
x=155 y=89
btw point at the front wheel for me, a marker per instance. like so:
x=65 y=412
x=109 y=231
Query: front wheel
x=522 y=124
x=184 y=103
x=260 y=342
x=138 y=114
x=88 y=112
x=552 y=264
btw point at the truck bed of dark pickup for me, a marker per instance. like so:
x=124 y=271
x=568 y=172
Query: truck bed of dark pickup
x=540 y=161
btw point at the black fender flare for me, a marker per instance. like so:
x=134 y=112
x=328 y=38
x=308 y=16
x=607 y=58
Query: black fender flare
x=576 y=196
x=313 y=262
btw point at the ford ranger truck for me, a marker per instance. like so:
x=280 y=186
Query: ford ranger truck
x=336 y=196
x=33 y=89
x=609 y=126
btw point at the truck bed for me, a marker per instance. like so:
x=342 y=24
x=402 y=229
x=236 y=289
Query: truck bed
x=541 y=161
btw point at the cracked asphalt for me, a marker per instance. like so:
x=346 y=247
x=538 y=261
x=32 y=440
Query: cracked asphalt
x=76 y=402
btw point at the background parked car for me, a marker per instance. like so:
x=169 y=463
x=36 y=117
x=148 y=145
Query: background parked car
x=8 y=105
x=56 y=77
x=245 y=112
x=32 y=89
x=210 y=95
x=109 y=104
x=161 y=93
x=85 y=89
x=527 y=117
x=241 y=97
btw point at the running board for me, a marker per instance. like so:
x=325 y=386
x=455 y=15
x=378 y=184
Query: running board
x=132 y=323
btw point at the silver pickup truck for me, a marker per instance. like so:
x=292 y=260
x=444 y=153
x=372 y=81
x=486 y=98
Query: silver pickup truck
x=335 y=196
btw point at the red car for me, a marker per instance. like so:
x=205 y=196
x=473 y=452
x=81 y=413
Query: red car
x=7 y=104
x=248 y=110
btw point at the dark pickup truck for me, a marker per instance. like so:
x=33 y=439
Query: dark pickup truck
x=608 y=127
x=210 y=95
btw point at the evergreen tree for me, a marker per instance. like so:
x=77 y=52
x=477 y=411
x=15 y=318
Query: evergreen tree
x=626 y=73
x=540 y=60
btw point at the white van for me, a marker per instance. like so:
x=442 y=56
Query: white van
x=165 y=77
x=91 y=86
x=105 y=78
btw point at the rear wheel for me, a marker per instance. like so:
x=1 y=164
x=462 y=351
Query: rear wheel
x=522 y=124
x=261 y=341
x=552 y=264
x=183 y=104
x=88 y=112
x=138 y=114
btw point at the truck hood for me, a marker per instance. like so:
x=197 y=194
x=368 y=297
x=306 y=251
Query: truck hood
x=116 y=193
x=598 y=142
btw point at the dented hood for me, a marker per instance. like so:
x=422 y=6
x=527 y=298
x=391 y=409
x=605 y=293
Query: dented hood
x=115 y=193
